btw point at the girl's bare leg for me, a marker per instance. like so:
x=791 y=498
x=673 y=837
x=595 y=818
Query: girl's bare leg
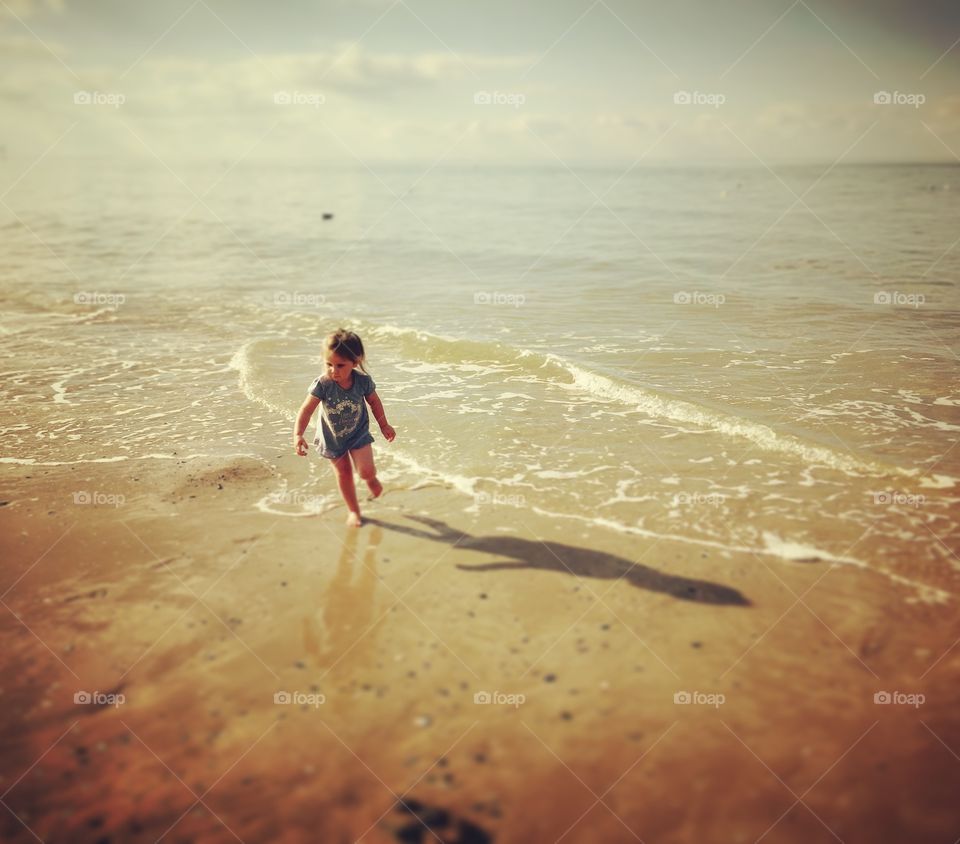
x=344 y=471
x=363 y=460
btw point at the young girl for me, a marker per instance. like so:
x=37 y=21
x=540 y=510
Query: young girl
x=344 y=423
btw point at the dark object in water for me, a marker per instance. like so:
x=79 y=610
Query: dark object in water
x=327 y=215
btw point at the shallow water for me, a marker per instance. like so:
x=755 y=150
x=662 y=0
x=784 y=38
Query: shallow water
x=671 y=353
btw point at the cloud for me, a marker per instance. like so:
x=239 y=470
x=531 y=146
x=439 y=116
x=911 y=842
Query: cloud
x=26 y=47
x=29 y=8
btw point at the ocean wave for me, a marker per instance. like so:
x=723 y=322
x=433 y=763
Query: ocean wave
x=424 y=344
x=551 y=369
x=737 y=427
x=242 y=362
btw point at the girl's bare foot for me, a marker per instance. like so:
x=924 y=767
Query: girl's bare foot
x=354 y=520
x=375 y=488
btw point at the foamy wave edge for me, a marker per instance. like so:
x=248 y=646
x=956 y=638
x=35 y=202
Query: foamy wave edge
x=677 y=410
x=760 y=435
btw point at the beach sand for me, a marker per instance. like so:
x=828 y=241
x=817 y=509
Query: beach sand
x=194 y=611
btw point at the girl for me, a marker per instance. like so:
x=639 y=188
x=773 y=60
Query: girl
x=344 y=424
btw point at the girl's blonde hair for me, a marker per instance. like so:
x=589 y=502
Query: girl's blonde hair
x=348 y=345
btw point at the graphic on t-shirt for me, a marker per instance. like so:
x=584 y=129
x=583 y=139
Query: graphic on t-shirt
x=343 y=416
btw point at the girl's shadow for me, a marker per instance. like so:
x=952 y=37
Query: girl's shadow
x=580 y=562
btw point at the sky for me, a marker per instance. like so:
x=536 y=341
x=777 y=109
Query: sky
x=577 y=81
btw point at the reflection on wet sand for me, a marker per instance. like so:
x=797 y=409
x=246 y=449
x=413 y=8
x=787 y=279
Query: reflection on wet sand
x=570 y=559
x=341 y=637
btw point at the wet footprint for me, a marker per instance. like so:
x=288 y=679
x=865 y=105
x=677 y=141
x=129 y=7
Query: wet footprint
x=431 y=823
x=96 y=593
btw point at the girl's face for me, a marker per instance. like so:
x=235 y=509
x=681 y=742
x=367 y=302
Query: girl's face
x=339 y=368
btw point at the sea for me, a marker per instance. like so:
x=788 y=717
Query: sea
x=741 y=358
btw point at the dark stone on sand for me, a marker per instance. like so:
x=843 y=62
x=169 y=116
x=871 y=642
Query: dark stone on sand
x=412 y=832
x=549 y=678
x=696 y=644
x=567 y=716
x=470 y=833
x=327 y=215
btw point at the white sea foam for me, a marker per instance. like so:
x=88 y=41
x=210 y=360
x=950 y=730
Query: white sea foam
x=119 y=458
x=242 y=364
x=761 y=435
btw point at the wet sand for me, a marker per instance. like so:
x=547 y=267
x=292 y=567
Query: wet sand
x=190 y=614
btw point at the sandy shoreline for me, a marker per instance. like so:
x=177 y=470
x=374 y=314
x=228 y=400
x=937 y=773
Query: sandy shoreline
x=198 y=609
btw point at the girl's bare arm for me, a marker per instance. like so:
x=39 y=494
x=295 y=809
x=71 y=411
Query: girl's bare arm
x=376 y=407
x=303 y=419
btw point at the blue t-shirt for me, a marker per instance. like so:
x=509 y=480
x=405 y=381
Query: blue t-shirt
x=344 y=422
